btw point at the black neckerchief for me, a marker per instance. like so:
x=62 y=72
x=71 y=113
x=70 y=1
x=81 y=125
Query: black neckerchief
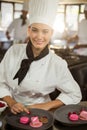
x=25 y=64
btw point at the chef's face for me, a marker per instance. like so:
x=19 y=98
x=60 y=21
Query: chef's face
x=40 y=35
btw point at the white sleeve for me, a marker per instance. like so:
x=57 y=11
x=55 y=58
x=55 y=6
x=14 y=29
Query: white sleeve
x=70 y=90
x=12 y=26
x=4 y=88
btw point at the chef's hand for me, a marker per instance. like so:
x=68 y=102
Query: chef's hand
x=18 y=108
x=8 y=35
x=14 y=106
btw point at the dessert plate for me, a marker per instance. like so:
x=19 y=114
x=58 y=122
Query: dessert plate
x=13 y=120
x=61 y=115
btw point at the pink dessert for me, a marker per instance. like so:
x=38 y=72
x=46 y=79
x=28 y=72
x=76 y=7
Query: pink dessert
x=83 y=115
x=73 y=117
x=35 y=122
x=24 y=119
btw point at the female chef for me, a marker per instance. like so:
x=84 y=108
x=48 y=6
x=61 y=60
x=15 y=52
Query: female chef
x=30 y=72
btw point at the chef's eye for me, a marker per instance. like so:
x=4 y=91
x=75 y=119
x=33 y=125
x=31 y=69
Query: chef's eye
x=34 y=30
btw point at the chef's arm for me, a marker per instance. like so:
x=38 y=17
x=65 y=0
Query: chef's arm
x=9 y=100
x=14 y=106
x=8 y=35
x=80 y=46
x=74 y=38
x=48 y=105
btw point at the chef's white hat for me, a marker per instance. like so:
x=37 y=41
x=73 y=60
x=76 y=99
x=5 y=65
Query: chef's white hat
x=85 y=7
x=26 y=5
x=43 y=11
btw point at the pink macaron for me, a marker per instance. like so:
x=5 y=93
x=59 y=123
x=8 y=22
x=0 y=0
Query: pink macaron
x=73 y=117
x=24 y=119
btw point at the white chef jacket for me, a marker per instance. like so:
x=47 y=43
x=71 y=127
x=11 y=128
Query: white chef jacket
x=42 y=78
x=19 y=31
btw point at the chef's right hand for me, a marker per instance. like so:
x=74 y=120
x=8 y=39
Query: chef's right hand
x=18 y=108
